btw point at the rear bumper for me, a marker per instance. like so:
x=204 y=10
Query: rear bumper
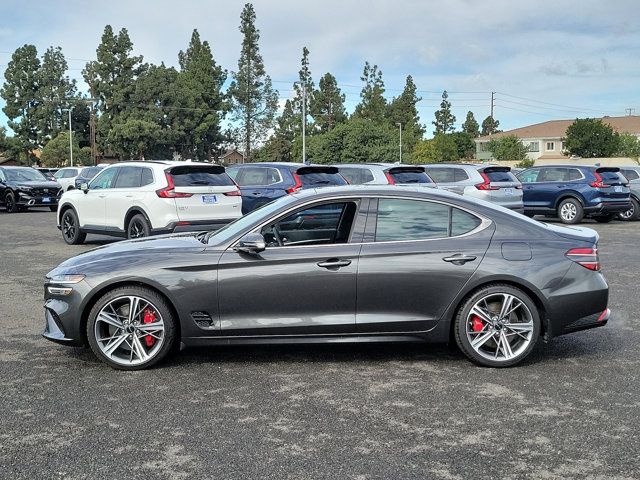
x=608 y=207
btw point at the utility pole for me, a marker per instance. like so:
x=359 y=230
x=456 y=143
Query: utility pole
x=630 y=111
x=492 y=120
x=70 y=136
x=400 y=125
x=304 y=123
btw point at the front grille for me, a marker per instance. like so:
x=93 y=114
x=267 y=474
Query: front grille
x=45 y=192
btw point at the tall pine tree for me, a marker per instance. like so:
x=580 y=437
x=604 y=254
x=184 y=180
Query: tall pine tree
x=372 y=105
x=304 y=89
x=254 y=101
x=445 y=120
x=327 y=104
x=490 y=126
x=470 y=125
x=403 y=110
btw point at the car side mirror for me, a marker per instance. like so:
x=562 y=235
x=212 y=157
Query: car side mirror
x=84 y=187
x=251 y=243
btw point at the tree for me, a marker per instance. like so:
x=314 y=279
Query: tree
x=441 y=148
x=403 y=110
x=445 y=120
x=303 y=88
x=372 y=105
x=111 y=79
x=490 y=126
x=465 y=145
x=20 y=95
x=254 y=102
x=56 y=152
x=629 y=146
x=134 y=138
x=327 y=104
x=590 y=138
x=55 y=92
x=508 y=147
x=200 y=74
x=470 y=126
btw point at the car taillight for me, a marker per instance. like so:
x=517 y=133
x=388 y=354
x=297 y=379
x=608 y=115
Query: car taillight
x=389 y=178
x=598 y=183
x=169 y=190
x=486 y=185
x=234 y=193
x=297 y=186
x=587 y=257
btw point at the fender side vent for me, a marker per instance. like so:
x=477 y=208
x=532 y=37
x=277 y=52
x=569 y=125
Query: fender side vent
x=203 y=320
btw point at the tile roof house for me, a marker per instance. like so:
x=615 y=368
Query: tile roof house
x=545 y=139
x=231 y=157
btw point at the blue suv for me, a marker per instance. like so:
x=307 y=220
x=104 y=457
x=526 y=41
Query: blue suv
x=572 y=192
x=261 y=183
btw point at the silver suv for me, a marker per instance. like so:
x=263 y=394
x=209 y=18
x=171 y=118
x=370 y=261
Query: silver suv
x=488 y=182
x=633 y=175
x=384 y=174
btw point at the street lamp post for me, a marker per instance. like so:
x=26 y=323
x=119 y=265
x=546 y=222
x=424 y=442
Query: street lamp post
x=70 y=136
x=400 y=125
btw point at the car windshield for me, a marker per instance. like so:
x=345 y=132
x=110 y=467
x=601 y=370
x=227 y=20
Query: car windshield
x=232 y=229
x=24 y=175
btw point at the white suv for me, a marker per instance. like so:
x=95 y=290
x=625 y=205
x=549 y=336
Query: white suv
x=66 y=177
x=137 y=199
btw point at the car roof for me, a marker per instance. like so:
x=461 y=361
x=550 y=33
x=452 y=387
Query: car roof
x=374 y=190
x=382 y=166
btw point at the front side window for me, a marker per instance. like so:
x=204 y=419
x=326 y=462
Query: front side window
x=323 y=224
x=129 y=177
x=2 y=177
x=103 y=180
x=421 y=220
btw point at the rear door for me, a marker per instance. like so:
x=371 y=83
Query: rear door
x=124 y=194
x=204 y=192
x=417 y=256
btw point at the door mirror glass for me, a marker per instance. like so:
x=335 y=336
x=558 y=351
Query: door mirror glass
x=251 y=243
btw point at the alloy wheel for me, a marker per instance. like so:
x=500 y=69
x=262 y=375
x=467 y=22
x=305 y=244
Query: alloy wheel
x=69 y=227
x=136 y=230
x=10 y=204
x=628 y=215
x=499 y=327
x=129 y=330
x=568 y=211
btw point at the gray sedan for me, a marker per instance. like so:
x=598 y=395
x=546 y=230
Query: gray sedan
x=336 y=264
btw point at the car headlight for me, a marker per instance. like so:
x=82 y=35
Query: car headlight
x=24 y=189
x=66 y=279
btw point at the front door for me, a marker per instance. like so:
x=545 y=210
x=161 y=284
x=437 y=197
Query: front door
x=91 y=207
x=304 y=282
x=420 y=256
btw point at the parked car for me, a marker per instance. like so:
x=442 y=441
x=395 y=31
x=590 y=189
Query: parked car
x=632 y=174
x=25 y=187
x=138 y=199
x=573 y=192
x=66 y=177
x=48 y=172
x=384 y=174
x=492 y=183
x=86 y=174
x=261 y=183
x=353 y=263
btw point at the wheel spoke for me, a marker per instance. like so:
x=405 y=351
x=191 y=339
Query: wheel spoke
x=485 y=316
x=508 y=306
x=107 y=318
x=139 y=349
x=481 y=340
x=148 y=328
x=134 y=303
x=113 y=346
x=506 y=347
x=519 y=326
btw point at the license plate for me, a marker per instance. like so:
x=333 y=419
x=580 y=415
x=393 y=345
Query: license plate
x=617 y=189
x=209 y=199
x=508 y=191
x=46 y=200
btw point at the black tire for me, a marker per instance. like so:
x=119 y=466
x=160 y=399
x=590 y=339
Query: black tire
x=632 y=214
x=604 y=218
x=70 y=228
x=10 y=204
x=461 y=322
x=53 y=208
x=570 y=211
x=138 y=227
x=158 y=301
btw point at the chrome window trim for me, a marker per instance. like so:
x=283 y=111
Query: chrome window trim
x=582 y=177
x=484 y=222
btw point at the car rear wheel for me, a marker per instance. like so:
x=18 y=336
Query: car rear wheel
x=570 y=211
x=70 y=227
x=10 y=203
x=131 y=328
x=498 y=326
x=632 y=214
x=138 y=227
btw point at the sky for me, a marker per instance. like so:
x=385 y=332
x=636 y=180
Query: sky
x=544 y=59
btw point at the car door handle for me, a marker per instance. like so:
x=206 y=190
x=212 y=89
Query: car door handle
x=334 y=263
x=129 y=196
x=459 y=259
x=101 y=196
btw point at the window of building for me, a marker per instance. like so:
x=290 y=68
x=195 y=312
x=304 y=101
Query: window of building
x=551 y=146
x=534 y=146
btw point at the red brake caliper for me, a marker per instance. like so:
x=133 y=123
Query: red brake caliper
x=476 y=324
x=149 y=317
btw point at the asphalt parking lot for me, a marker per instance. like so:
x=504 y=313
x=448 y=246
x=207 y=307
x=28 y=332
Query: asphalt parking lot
x=341 y=411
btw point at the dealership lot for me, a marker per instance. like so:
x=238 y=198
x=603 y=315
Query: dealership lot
x=341 y=411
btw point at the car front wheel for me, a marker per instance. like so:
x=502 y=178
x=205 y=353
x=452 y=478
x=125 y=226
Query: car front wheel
x=131 y=328
x=570 y=211
x=10 y=203
x=70 y=227
x=498 y=326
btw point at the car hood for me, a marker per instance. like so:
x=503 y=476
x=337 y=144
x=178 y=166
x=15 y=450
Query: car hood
x=575 y=233
x=129 y=253
x=38 y=184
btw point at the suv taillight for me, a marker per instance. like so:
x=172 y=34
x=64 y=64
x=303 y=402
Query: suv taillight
x=598 y=183
x=169 y=190
x=297 y=186
x=587 y=257
x=486 y=185
x=389 y=178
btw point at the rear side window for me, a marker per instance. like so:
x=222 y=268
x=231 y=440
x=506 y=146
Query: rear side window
x=192 y=176
x=574 y=174
x=420 y=220
x=257 y=176
x=630 y=174
x=311 y=179
x=460 y=175
x=356 y=176
x=147 y=177
x=408 y=176
x=500 y=175
x=129 y=177
x=441 y=175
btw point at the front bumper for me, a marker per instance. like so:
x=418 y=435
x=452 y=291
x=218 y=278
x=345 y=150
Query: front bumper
x=63 y=315
x=54 y=330
x=27 y=200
